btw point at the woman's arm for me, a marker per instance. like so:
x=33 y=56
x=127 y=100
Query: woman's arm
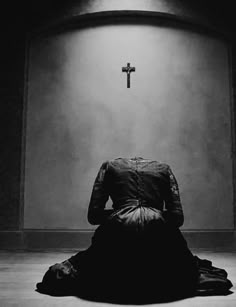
x=97 y=213
x=174 y=211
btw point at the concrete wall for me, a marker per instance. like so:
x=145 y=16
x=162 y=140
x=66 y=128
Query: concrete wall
x=80 y=113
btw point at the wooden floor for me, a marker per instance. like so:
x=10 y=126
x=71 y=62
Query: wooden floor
x=20 y=271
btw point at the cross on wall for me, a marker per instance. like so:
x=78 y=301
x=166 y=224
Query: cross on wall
x=128 y=69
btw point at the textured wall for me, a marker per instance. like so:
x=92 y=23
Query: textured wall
x=79 y=113
x=11 y=97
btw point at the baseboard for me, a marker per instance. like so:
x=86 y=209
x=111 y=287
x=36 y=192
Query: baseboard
x=81 y=239
x=45 y=239
x=211 y=239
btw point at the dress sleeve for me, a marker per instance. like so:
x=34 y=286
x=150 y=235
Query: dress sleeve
x=96 y=211
x=174 y=211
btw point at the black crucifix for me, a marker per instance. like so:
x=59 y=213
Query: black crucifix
x=128 y=70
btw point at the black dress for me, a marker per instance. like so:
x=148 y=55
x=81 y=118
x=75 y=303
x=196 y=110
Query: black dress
x=138 y=250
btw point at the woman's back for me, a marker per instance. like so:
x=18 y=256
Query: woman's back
x=139 y=188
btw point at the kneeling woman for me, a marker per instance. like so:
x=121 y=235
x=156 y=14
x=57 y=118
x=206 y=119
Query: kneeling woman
x=137 y=251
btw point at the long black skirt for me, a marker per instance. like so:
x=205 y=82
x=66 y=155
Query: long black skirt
x=135 y=266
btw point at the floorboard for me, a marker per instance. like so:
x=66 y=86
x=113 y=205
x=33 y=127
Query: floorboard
x=20 y=271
